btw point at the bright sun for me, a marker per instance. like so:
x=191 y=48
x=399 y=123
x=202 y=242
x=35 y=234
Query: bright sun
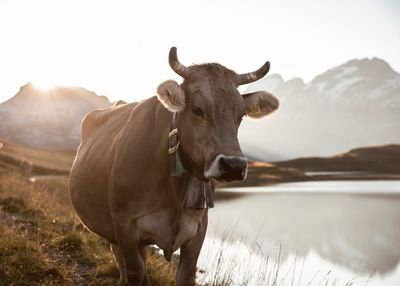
x=44 y=83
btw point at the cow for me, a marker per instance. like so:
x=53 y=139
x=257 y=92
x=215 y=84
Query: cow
x=144 y=172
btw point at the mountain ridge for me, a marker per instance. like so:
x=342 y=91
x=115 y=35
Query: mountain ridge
x=365 y=62
x=351 y=105
x=384 y=159
x=354 y=104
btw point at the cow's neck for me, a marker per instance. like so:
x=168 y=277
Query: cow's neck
x=198 y=192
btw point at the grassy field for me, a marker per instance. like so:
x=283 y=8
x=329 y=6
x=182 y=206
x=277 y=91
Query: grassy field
x=43 y=243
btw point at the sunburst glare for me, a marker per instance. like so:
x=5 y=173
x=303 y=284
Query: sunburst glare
x=45 y=83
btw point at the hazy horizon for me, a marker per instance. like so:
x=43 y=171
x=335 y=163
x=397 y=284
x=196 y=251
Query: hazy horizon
x=120 y=49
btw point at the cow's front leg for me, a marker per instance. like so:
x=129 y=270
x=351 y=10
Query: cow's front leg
x=135 y=268
x=186 y=274
x=121 y=265
x=143 y=253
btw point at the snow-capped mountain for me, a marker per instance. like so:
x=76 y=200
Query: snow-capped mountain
x=352 y=105
x=47 y=118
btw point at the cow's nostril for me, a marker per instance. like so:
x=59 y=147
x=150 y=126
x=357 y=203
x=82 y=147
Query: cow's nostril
x=233 y=167
x=224 y=164
x=229 y=168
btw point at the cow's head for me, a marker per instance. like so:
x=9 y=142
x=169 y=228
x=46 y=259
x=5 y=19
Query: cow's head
x=210 y=109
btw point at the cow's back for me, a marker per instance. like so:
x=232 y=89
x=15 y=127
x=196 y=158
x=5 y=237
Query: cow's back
x=90 y=171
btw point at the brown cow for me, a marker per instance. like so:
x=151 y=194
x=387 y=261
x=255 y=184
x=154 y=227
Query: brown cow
x=135 y=183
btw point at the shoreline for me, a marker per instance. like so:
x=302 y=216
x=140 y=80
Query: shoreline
x=259 y=182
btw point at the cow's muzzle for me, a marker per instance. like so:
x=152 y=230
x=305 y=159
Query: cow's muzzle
x=228 y=168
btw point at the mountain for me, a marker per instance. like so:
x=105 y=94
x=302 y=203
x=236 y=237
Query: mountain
x=352 y=105
x=47 y=118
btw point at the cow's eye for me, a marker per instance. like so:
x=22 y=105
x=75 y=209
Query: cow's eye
x=197 y=111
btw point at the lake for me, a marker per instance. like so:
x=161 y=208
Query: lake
x=305 y=233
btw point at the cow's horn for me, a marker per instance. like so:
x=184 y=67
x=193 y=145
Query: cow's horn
x=255 y=75
x=176 y=65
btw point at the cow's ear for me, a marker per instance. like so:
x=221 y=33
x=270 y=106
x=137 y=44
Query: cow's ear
x=171 y=95
x=260 y=103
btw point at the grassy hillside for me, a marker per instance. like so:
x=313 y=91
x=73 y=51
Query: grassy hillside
x=379 y=159
x=43 y=161
x=42 y=242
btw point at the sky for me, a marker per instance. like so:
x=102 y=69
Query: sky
x=120 y=48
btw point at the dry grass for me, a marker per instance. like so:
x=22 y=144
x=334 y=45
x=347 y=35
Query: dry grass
x=43 y=243
x=238 y=262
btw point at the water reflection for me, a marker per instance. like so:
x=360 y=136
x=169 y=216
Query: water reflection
x=360 y=232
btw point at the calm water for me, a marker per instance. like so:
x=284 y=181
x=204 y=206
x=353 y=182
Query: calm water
x=308 y=233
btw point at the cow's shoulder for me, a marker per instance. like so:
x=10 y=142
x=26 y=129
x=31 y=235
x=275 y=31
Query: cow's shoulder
x=97 y=118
